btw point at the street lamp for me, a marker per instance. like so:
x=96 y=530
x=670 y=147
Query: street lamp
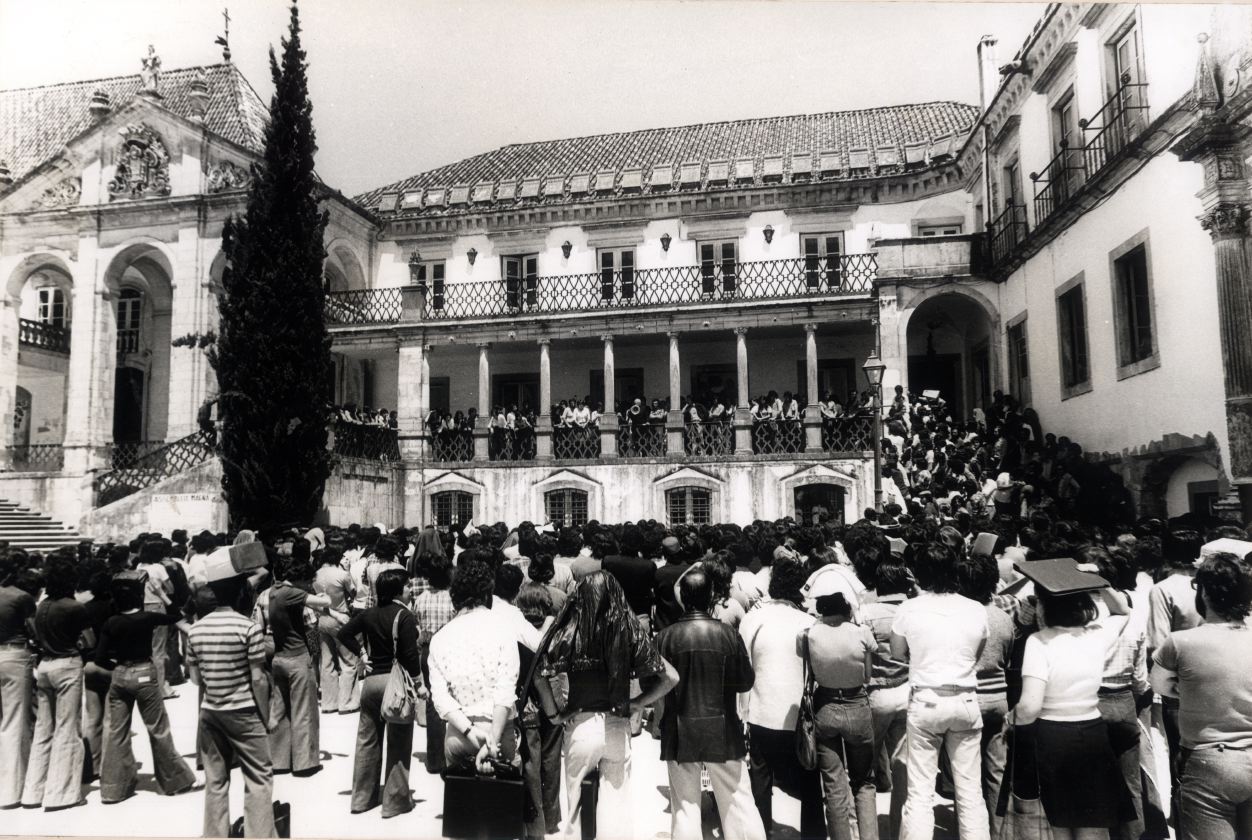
x=874 y=368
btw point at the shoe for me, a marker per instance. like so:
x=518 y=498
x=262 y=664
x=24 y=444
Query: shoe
x=64 y=807
x=191 y=788
x=310 y=771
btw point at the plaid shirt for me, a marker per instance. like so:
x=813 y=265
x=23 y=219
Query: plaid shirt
x=1022 y=612
x=433 y=609
x=1126 y=664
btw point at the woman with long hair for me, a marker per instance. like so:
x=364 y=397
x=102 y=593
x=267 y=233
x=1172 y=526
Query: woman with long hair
x=601 y=646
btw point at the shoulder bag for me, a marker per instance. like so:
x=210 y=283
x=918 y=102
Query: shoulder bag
x=806 y=726
x=399 y=704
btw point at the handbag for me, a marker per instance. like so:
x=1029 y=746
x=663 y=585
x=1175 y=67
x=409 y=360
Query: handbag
x=1024 y=819
x=806 y=725
x=399 y=704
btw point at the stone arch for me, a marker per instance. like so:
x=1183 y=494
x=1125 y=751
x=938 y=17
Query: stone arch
x=690 y=477
x=343 y=267
x=961 y=325
x=1160 y=474
x=821 y=474
x=566 y=480
x=49 y=261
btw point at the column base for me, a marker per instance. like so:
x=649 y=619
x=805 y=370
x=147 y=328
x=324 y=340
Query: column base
x=608 y=435
x=482 y=439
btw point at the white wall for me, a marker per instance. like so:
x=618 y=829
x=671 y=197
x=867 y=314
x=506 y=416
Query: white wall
x=1177 y=499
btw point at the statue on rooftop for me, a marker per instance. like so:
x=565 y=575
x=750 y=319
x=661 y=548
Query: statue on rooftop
x=150 y=75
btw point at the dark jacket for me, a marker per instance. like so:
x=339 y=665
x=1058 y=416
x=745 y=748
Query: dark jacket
x=701 y=719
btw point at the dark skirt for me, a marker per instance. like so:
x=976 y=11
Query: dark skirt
x=1080 y=780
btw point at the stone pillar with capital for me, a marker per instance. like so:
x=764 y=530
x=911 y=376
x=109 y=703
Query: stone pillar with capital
x=674 y=420
x=10 y=337
x=93 y=362
x=608 y=418
x=482 y=428
x=743 y=419
x=543 y=421
x=812 y=411
x=412 y=400
x=1221 y=147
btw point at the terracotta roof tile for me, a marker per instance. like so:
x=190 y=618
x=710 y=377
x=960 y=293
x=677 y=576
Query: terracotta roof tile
x=737 y=140
x=37 y=122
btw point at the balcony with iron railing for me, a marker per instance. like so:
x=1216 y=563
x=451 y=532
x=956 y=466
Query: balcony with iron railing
x=127 y=341
x=1007 y=232
x=1059 y=180
x=44 y=336
x=621 y=289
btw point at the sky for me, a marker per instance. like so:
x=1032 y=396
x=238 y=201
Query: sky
x=402 y=86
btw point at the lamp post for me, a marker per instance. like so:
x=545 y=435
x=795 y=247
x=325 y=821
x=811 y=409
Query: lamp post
x=874 y=368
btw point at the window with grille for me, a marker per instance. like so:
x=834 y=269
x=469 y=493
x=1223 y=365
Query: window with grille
x=718 y=265
x=1133 y=293
x=690 y=505
x=430 y=276
x=1071 y=313
x=566 y=508
x=617 y=264
x=452 y=508
x=52 y=310
x=521 y=280
x=1019 y=362
x=821 y=258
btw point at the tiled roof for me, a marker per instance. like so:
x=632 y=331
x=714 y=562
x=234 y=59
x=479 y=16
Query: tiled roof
x=36 y=123
x=837 y=144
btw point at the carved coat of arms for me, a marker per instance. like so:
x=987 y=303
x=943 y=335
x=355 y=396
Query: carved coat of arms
x=143 y=165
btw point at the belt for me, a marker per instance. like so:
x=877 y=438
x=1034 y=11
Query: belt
x=946 y=689
x=1118 y=689
x=840 y=693
x=135 y=664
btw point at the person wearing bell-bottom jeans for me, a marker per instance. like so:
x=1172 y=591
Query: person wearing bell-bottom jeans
x=137 y=685
x=16 y=681
x=54 y=774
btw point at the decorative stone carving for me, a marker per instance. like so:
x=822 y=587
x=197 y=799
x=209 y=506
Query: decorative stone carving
x=143 y=165
x=1225 y=220
x=225 y=175
x=1229 y=168
x=150 y=75
x=64 y=194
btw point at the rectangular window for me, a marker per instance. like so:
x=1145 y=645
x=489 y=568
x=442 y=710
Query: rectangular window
x=940 y=230
x=1069 y=172
x=1019 y=361
x=1071 y=312
x=521 y=280
x=1013 y=183
x=1125 y=63
x=452 y=508
x=617 y=273
x=1132 y=299
x=52 y=307
x=822 y=259
x=690 y=505
x=566 y=508
x=430 y=275
x=718 y=265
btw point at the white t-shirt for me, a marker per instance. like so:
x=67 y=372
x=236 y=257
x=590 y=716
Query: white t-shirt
x=945 y=634
x=1071 y=661
x=769 y=633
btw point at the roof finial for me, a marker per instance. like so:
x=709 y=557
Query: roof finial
x=150 y=75
x=1207 y=95
x=223 y=40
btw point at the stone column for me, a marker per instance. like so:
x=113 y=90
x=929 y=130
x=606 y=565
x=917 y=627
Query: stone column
x=812 y=411
x=93 y=363
x=674 y=420
x=743 y=420
x=412 y=400
x=543 y=424
x=482 y=432
x=1220 y=148
x=189 y=300
x=10 y=341
x=608 y=419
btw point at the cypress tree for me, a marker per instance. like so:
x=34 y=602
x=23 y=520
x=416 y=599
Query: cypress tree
x=272 y=351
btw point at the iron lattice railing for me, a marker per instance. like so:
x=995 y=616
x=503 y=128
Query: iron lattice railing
x=1062 y=176
x=153 y=466
x=848 y=434
x=363 y=306
x=128 y=453
x=576 y=444
x=37 y=457
x=778 y=437
x=645 y=441
x=453 y=447
x=362 y=440
x=1118 y=122
x=1007 y=232
x=505 y=444
x=708 y=439
x=44 y=336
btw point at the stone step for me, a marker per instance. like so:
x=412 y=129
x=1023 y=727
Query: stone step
x=23 y=528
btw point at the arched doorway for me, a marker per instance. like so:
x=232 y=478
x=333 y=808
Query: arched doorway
x=952 y=349
x=815 y=503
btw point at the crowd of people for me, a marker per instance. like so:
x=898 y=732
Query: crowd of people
x=921 y=647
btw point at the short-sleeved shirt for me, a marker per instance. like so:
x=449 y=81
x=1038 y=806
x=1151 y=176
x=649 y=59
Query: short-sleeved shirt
x=996 y=653
x=1171 y=607
x=127 y=638
x=836 y=655
x=286 y=614
x=888 y=672
x=1070 y=660
x=58 y=624
x=15 y=607
x=223 y=646
x=769 y=633
x=944 y=633
x=1214 y=667
x=334 y=583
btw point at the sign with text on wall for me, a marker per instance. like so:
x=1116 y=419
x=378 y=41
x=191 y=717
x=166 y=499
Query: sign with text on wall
x=192 y=511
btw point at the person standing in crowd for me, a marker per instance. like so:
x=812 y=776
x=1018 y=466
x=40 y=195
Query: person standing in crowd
x=341 y=692
x=1208 y=670
x=942 y=635
x=540 y=744
x=95 y=577
x=636 y=574
x=54 y=773
x=226 y=657
x=840 y=656
x=700 y=725
x=667 y=609
x=433 y=609
x=158 y=595
x=474 y=670
x=601 y=647
x=769 y=632
x=16 y=683
x=390 y=633
x=125 y=647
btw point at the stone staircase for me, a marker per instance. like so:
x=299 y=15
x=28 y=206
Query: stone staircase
x=26 y=529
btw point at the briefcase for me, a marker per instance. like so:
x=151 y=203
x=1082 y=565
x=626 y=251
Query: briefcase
x=589 y=800
x=482 y=807
x=282 y=822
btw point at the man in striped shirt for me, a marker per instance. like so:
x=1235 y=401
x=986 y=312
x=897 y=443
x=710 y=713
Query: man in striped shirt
x=226 y=657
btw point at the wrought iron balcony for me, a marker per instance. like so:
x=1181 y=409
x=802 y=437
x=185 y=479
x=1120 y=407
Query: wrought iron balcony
x=852 y=274
x=1060 y=179
x=127 y=341
x=1007 y=232
x=365 y=441
x=1118 y=122
x=37 y=457
x=44 y=336
x=151 y=463
x=648 y=441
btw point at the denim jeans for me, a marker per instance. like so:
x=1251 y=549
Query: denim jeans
x=54 y=775
x=732 y=789
x=228 y=738
x=541 y=767
x=1118 y=712
x=95 y=700
x=369 y=766
x=138 y=685
x=889 y=708
x=16 y=682
x=599 y=740
x=1215 y=786
x=341 y=690
x=994 y=748
x=954 y=721
x=294 y=737
x=845 y=757
x=772 y=757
